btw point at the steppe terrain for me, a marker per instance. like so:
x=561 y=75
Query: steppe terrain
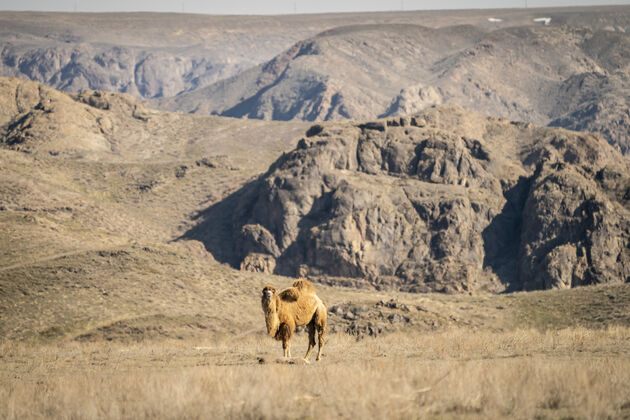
x=111 y=309
x=430 y=229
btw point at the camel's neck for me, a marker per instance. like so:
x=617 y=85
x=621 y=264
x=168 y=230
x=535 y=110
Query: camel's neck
x=271 y=316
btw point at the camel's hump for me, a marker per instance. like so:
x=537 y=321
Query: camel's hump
x=304 y=286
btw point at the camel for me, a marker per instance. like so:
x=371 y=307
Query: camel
x=293 y=307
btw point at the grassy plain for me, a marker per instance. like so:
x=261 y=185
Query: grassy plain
x=140 y=331
x=523 y=373
x=160 y=332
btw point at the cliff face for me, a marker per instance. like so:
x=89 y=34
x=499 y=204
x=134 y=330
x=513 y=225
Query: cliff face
x=443 y=201
x=573 y=233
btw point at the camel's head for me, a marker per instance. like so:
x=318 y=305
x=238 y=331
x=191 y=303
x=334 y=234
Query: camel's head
x=268 y=292
x=270 y=309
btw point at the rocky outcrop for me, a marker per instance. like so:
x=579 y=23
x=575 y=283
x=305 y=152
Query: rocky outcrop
x=256 y=239
x=36 y=118
x=573 y=234
x=413 y=99
x=258 y=263
x=411 y=204
x=47 y=120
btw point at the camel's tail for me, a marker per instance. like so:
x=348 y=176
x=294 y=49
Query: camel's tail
x=320 y=314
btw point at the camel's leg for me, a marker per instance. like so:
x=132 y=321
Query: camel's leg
x=285 y=335
x=311 y=339
x=286 y=346
x=320 y=325
x=321 y=332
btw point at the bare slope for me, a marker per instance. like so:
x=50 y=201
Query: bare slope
x=570 y=76
x=91 y=170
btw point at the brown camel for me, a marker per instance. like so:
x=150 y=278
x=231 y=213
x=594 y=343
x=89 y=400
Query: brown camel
x=293 y=307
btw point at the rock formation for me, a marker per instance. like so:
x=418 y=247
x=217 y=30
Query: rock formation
x=443 y=201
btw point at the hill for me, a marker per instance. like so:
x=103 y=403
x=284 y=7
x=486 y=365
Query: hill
x=560 y=75
x=98 y=169
x=446 y=200
x=116 y=219
x=144 y=54
x=123 y=228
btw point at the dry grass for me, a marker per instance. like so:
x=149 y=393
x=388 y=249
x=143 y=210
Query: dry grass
x=576 y=372
x=458 y=356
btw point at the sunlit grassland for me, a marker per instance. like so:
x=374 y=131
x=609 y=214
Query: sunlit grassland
x=574 y=372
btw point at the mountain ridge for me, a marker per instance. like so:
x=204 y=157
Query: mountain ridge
x=162 y=54
x=527 y=73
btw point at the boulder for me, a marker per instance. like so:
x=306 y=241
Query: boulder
x=258 y=263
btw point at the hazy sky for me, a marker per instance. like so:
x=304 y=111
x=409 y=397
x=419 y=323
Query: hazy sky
x=280 y=6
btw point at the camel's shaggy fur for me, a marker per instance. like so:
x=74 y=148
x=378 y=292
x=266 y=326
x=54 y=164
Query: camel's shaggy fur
x=293 y=307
